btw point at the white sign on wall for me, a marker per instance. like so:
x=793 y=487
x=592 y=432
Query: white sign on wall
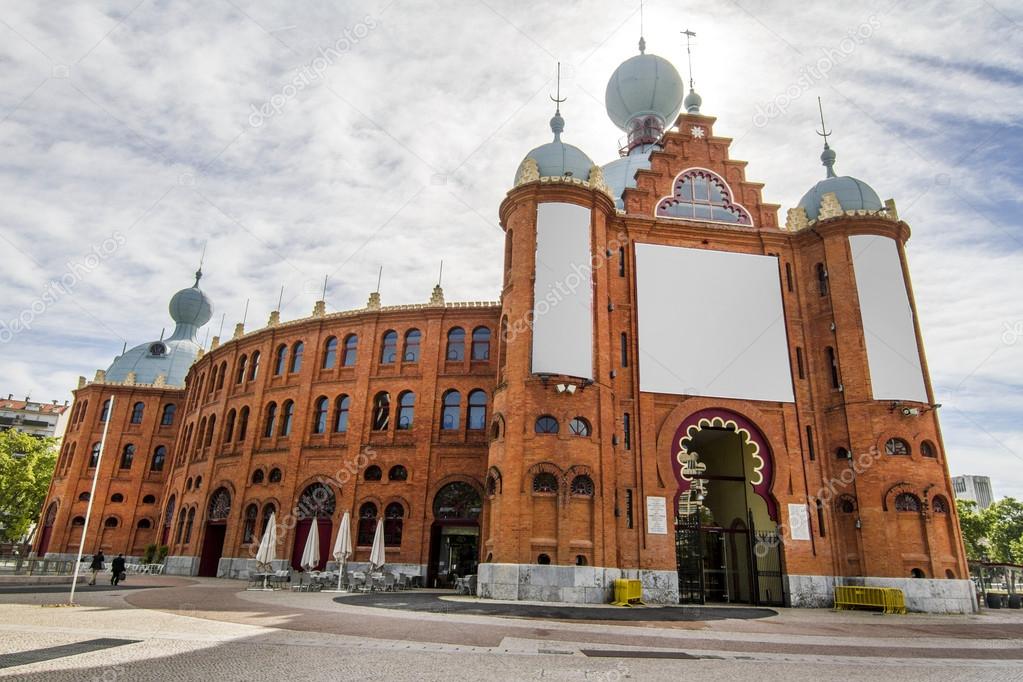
x=656 y=516
x=799 y=522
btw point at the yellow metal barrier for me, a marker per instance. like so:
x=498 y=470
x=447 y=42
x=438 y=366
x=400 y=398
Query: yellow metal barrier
x=628 y=593
x=888 y=599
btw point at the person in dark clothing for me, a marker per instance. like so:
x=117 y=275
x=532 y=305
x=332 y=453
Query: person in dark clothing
x=116 y=569
x=97 y=565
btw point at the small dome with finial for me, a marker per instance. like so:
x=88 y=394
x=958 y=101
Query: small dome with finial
x=191 y=306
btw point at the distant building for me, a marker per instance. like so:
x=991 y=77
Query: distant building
x=974 y=488
x=35 y=419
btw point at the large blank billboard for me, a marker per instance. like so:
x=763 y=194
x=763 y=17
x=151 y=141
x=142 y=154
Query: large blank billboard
x=563 y=292
x=892 y=352
x=711 y=324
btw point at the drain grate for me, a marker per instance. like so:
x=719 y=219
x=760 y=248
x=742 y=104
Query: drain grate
x=50 y=653
x=624 y=653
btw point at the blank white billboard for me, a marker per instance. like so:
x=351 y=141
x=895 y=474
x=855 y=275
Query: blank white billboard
x=563 y=292
x=711 y=324
x=892 y=352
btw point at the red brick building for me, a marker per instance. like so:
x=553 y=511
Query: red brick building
x=673 y=386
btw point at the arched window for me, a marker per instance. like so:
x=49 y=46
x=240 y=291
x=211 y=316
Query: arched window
x=287 y=414
x=317 y=500
x=111 y=522
x=451 y=411
x=240 y=376
x=167 y=418
x=545 y=482
x=412 y=342
x=543 y=559
x=497 y=428
x=181 y=527
x=188 y=525
x=389 y=348
x=896 y=446
x=149 y=499
x=351 y=350
x=320 y=414
x=372 y=473
x=159 y=457
x=381 y=411
x=243 y=423
x=481 y=343
x=406 y=410
x=842 y=453
x=397 y=473
x=275 y=475
x=220 y=505
x=280 y=360
x=907 y=502
x=582 y=485
x=330 y=353
x=137 y=410
x=78 y=521
x=545 y=423
x=367 y=524
x=249 y=529
x=927 y=449
x=94 y=455
x=477 y=417
x=393 y=521
x=257 y=476
x=104 y=413
x=341 y=406
x=83 y=497
x=221 y=375
x=940 y=505
x=504 y=348
x=846 y=505
x=457 y=500
x=117 y=498
x=254 y=366
x=229 y=426
x=456 y=344
x=188 y=484
x=144 y=524
x=917 y=573
x=296 y=356
x=822 y=279
x=833 y=364
x=703 y=195
x=127 y=456
x=209 y=429
x=269 y=420
x=198 y=482
x=579 y=427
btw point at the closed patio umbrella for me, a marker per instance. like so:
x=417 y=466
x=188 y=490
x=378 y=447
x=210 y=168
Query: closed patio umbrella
x=267 y=552
x=311 y=553
x=343 y=546
x=376 y=555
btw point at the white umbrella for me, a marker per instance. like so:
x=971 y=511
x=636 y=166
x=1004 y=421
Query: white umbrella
x=267 y=553
x=343 y=546
x=376 y=555
x=311 y=553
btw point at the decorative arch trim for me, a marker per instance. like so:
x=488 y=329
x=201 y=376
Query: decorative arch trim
x=543 y=468
x=727 y=203
x=888 y=499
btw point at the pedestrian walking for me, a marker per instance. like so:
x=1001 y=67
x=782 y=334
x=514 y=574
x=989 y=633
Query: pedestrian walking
x=117 y=570
x=96 y=566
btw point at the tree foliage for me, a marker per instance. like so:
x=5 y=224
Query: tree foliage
x=974 y=529
x=995 y=533
x=26 y=467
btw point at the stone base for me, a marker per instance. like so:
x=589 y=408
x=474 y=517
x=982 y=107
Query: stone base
x=181 y=565
x=923 y=595
x=570 y=584
x=239 y=568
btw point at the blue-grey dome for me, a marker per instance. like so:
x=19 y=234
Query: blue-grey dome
x=641 y=86
x=620 y=174
x=557 y=158
x=852 y=194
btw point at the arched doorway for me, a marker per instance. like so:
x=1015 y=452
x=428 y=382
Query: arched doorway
x=47 y=530
x=455 y=534
x=317 y=501
x=726 y=521
x=216 y=529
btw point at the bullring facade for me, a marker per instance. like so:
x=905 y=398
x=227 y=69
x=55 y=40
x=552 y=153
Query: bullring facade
x=673 y=386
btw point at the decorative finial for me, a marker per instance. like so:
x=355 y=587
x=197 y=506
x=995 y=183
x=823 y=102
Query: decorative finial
x=558 y=123
x=689 y=54
x=828 y=155
x=198 y=273
x=642 y=42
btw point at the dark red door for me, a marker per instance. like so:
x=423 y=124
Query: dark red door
x=325 y=530
x=212 y=549
x=44 y=541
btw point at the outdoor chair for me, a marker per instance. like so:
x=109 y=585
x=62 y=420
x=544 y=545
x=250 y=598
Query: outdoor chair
x=360 y=583
x=377 y=580
x=281 y=578
x=389 y=582
x=403 y=581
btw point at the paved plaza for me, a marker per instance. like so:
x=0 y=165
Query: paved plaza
x=158 y=628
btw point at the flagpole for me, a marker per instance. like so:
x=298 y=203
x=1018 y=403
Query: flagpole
x=92 y=495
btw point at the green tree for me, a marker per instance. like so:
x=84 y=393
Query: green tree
x=1005 y=530
x=975 y=528
x=26 y=467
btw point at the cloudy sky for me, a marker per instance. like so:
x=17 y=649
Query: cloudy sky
x=305 y=139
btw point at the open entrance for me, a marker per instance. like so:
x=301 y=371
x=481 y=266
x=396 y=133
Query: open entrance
x=726 y=531
x=455 y=534
x=215 y=532
x=317 y=501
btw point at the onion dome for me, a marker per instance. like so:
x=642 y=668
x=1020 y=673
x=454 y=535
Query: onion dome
x=852 y=194
x=170 y=358
x=556 y=158
x=643 y=96
x=620 y=174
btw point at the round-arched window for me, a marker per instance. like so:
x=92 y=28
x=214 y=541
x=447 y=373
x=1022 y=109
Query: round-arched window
x=546 y=424
x=457 y=500
x=579 y=426
x=582 y=485
x=545 y=482
x=896 y=446
x=275 y=475
x=257 y=476
x=111 y=522
x=940 y=505
x=397 y=473
x=149 y=499
x=372 y=473
x=117 y=497
x=907 y=502
x=927 y=449
x=220 y=505
x=317 y=500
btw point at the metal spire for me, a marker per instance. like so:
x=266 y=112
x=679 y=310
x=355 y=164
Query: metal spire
x=202 y=258
x=380 y=276
x=324 y=296
x=828 y=155
x=557 y=122
x=279 y=300
x=689 y=55
x=440 y=275
x=642 y=41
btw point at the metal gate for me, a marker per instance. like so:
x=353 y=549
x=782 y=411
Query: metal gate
x=767 y=574
x=689 y=554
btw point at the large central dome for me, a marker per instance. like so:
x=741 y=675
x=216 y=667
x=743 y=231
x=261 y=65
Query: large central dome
x=641 y=86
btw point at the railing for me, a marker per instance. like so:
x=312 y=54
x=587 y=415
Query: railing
x=19 y=565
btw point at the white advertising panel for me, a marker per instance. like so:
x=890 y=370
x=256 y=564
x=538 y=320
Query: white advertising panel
x=656 y=515
x=893 y=356
x=711 y=323
x=563 y=292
